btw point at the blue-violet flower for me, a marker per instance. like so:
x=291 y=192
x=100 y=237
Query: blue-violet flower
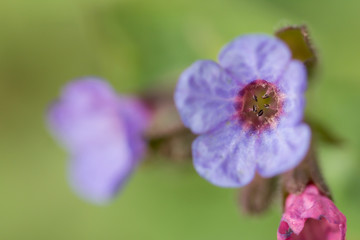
x=247 y=109
x=103 y=134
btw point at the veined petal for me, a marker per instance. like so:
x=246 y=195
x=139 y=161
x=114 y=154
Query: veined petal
x=292 y=111
x=256 y=56
x=282 y=149
x=225 y=156
x=293 y=84
x=204 y=96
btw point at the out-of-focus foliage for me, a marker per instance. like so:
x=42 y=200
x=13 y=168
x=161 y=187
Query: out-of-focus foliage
x=136 y=44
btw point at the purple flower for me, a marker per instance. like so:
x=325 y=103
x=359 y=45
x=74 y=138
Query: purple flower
x=103 y=134
x=311 y=216
x=247 y=109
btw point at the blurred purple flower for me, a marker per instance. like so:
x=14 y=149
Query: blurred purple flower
x=248 y=110
x=103 y=134
x=311 y=216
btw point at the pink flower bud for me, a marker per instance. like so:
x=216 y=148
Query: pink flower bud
x=311 y=216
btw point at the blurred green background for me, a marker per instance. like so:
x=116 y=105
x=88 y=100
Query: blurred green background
x=136 y=44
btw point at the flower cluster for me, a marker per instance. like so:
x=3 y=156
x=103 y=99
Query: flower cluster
x=247 y=109
x=103 y=134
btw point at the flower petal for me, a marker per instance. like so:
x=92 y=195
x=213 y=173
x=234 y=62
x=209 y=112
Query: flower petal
x=135 y=111
x=282 y=149
x=293 y=85
x=311 y=216
x=256 y=56
x=225 y=156
x=103 y=134
x=204 y=96
x=292 y=111
x=294 y=80
x=88 y=93
x=137 y=118
x=86 y=104
x=98 y=172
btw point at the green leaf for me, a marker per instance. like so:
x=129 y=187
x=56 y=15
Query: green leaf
x=297 y=38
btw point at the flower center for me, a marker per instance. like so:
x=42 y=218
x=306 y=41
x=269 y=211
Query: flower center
x=259 y=105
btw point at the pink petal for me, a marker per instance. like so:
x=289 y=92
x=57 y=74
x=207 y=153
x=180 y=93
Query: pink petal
x=311 y=216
